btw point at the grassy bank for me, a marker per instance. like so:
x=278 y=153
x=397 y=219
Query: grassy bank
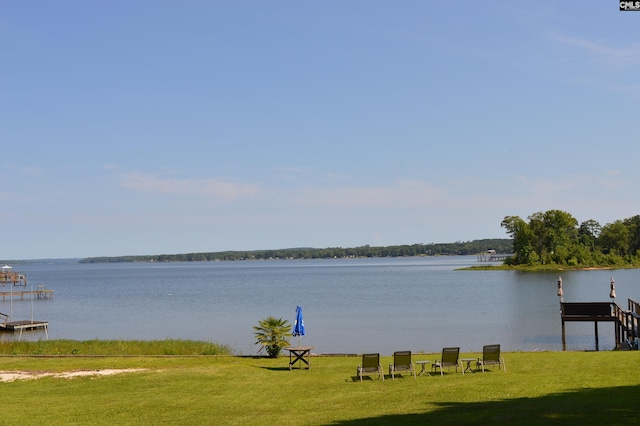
x=544 y=268
x=114 y=347
x=538 y=388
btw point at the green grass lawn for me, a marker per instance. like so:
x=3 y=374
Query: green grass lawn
x=538 y=388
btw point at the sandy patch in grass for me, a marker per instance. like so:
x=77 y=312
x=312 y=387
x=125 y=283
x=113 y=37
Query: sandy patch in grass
x=10 y=376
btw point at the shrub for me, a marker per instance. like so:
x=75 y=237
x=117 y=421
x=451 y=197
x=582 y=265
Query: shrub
x=272 y=334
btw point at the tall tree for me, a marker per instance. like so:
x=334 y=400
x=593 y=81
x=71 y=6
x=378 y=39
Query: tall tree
x=633 y=225
x=560 y=235
x=523 y=238
x=538 y=231
x=614 y=238
x=588 y=233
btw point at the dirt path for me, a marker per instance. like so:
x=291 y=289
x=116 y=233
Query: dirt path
x=10 y=376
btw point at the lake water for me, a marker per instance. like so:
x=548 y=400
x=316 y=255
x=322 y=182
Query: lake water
x=349 y=305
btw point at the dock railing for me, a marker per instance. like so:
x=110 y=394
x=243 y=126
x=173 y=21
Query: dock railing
x=625 y=321
x=632 y=321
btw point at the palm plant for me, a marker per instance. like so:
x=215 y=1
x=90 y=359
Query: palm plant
x=272 y=335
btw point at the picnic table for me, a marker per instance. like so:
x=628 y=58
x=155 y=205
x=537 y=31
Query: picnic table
x=299 y=352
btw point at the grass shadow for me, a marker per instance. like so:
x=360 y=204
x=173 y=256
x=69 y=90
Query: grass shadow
x=611 y=406
x=399 y=376
x=368 y=377
x=278 y=368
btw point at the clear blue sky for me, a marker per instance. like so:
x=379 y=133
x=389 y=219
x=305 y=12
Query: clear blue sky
x=149 y=127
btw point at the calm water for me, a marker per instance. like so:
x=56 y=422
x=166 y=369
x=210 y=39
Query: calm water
x=350 y=306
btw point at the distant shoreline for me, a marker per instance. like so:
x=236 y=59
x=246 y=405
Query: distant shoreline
x=468 y=248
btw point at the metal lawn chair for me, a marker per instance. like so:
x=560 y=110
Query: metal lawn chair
x=491 y=356
x=401 y=362
x=450 y=358
x=370 y=364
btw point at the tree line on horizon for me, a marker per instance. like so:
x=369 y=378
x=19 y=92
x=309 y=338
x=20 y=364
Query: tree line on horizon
x=501 y=245
x=555 y=237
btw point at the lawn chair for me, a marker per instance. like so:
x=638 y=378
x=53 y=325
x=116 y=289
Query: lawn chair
x=401 y=362
x=491 y=356
x=450 y=358
x=370 y=364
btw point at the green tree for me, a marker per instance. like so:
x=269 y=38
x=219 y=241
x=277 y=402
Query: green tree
x=537 y=237
x=588 y=233
x=272 y=334
x=523 y=240
x=633 y=224
x=614 y=238
x=554 y=237
x=560 y=234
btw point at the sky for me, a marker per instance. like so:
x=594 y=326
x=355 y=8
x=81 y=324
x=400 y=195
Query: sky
x=163 y=127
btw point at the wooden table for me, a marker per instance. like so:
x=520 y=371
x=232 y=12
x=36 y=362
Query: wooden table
x=299 y=352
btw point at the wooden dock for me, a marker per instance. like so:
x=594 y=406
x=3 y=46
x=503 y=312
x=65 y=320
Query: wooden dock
x=485 y=257
x=626 y=322
x=8 y=276
x=11 y=279
x=40 y=293
x=14 y=326
x=24 y=325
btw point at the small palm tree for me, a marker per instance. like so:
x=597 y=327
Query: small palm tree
x=272 y=335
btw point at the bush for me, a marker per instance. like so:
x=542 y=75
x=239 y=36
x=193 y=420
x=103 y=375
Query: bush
x=272 y=334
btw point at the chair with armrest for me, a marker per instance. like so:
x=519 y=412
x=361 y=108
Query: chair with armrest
x=402 y=362
x=491 y=356
x=450 y=358
x=370 y=364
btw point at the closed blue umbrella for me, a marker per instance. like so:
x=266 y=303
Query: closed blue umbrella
x=298 y=328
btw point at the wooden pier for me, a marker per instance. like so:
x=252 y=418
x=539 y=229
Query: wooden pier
x=25 y=325
x=39 y=293
x=625 y=321
x=11 y=279
x=492 y=257
x=8 y=276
